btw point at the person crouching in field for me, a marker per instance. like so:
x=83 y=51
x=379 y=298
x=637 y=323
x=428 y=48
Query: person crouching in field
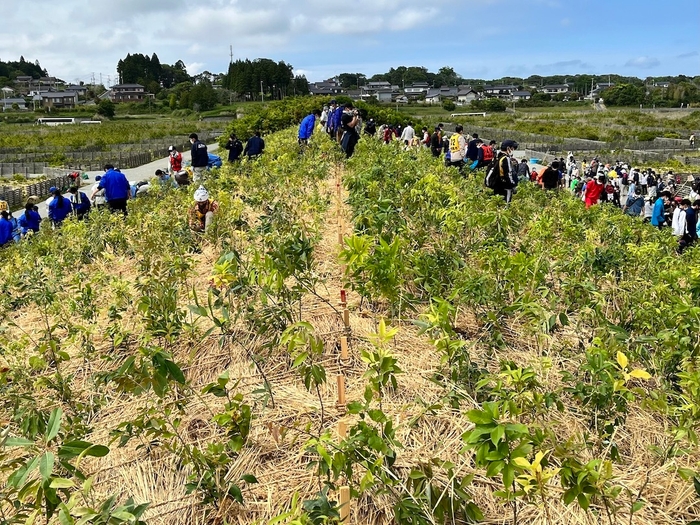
x=202 y=213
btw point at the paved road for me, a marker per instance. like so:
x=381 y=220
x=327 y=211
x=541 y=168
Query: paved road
x=144 y=172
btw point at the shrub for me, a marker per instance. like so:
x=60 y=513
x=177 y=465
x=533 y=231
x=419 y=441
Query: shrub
x=448 y=105
x=645 y=136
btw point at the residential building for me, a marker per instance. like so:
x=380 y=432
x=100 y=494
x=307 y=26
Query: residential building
x=80 y=90
x=466 y=94
x=127 y=93
x=416 y=90
x=521 y=95
x=7 y=103
x=58 y=99
x=328 y=87
x=596 y=93
x=375 y=86
x=437 y=95
x=502 y=91
x=554 y=89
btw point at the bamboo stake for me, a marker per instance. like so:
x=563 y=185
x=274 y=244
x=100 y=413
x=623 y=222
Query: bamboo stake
x=342 y=429
x=346 y=318
x=345 y=505
x=341 y=390
x=344 y=348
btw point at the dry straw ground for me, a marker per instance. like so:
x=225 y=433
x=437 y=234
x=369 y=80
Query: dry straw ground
x=275 y=453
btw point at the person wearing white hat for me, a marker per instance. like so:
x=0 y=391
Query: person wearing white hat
x=202 y=213
x=174 y=159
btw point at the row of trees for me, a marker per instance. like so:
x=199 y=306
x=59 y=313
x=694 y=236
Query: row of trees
x=248 y=79
x=634 y=95
x=9 y=71
x=150 y=73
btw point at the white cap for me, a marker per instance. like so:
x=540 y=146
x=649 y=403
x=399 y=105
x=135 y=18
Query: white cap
x=201 y=195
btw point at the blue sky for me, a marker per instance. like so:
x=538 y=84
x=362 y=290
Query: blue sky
x=320 y=38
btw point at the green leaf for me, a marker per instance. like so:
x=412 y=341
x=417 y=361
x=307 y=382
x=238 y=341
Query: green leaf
x=479 y=417
x=17 y=442
x=494 y=468
x=235 y=492
x=76 y=448
x=300 y=359
x=64 y=517
x=497 y=434
x=198 y=310
x=124 y=515
x=174 y=371
x=583 y=501
x=19 y=477
x=54 y=424
x=61 y=483
x=637 y=506
x=46 y=465
x=249 y=478
x=696 y=484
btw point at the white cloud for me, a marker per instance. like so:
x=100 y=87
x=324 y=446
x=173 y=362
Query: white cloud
x=643 y=62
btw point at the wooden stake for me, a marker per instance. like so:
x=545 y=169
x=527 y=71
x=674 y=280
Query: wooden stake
x=342 y=429
x=344 y=348
x=344 y=505
x=341 y=390
x=346 y=318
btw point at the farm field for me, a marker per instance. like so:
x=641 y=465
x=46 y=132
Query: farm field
x=531 y=363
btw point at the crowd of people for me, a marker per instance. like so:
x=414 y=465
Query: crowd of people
x=112 y=191
x=639 y=193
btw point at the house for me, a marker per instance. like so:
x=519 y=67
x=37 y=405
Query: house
x=42 y=82
x=377 y=86
x=554 y=89
x=598 y=91
x=500 y=91
x=437 y=95
x=80 y=90
x=7 y=103
x=662 y=84
x=466 y=94
x=127 y=93
x=521 y=95
x=58 y=99
x=328 y=87
x=417 y=89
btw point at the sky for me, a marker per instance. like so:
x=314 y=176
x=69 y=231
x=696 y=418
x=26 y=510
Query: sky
x=74 y=39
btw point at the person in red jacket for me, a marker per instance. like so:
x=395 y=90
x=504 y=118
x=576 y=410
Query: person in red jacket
x=175 y=160
x=594 y=190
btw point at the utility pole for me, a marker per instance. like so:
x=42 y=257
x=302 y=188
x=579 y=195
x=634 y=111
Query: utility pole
x=231 y=54
x=262 y=93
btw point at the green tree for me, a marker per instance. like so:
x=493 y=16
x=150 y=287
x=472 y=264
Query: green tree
x=624 y=95
x=448 y=105
x=106 y=108
x=495 y=105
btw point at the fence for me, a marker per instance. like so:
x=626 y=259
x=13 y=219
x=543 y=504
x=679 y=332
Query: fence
x=17 y=197
x=89 y=159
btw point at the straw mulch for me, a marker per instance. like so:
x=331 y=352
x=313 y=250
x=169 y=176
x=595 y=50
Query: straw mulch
x=275 y=451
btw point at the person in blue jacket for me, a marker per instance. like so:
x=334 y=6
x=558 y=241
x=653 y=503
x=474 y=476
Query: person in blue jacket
x=5 y=229
x=59 y=207
x=80 y=202
x=255 y=146
x=29 y=220
x=334 y=119
x=117 y=189
x=658 y=217
x=16 y=236
x=306 y=128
